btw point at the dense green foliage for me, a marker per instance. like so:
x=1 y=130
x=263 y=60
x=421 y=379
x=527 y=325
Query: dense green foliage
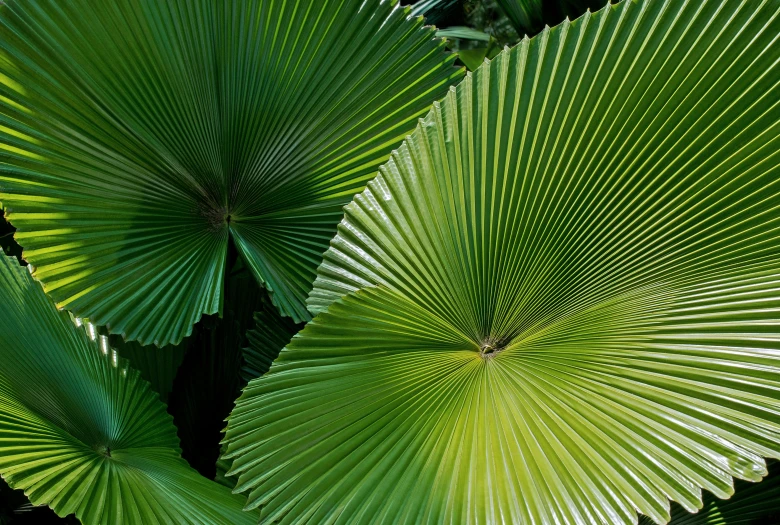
x=554 y=300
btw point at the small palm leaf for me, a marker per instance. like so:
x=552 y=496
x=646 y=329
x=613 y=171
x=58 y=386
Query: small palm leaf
x=529 y=16
x=557 y=303
x=138 y=135
x=209 y=380
x=15 y=509
x=82 y=432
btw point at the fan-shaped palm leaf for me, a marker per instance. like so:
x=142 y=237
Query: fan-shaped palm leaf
x=557 y=303
x=82 y=432
x=136 y=136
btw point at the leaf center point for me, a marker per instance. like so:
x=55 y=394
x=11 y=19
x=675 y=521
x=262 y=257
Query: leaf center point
x=491 y=346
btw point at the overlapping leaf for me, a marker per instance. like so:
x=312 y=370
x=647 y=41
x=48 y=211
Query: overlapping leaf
x=557 y=303
x=136 y=136
x=82 y=432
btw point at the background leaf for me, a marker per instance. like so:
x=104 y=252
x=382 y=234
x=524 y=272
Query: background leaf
x=526 y=15
x=433 y=9
x=271 y=333
x=15 y=509
x=463 y=32
x=158 y=366
x=209 y=380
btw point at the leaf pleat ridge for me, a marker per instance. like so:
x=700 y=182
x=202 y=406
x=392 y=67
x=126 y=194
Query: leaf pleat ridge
x=137 y=137
x=557 y=302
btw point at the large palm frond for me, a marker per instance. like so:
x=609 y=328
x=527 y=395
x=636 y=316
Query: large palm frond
x=557 y=303
x=136 y=136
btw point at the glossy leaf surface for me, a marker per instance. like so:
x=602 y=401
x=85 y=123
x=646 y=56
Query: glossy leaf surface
x=751 y=504
x=558 y=301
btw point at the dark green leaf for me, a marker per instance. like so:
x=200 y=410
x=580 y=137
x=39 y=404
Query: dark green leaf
x=139 y=135
x=466 y=33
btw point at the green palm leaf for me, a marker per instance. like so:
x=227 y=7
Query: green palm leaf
x=557 y=303
x=82 y=432
x=137 y=136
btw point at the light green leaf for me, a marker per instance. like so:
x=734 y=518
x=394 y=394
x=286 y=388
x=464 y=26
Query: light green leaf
x=558 y=301
x=82 y=432
x=137 y=136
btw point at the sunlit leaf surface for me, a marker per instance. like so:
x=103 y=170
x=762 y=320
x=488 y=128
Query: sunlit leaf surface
x=558 y=301
x=751 y=504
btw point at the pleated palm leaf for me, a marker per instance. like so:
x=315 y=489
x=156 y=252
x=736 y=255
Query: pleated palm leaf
x=137 y=136
x=557 y=303
x=81 y=432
